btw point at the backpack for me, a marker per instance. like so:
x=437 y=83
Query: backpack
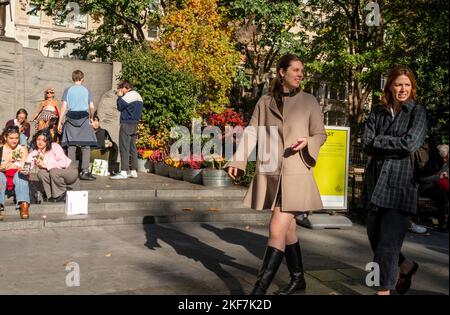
x=419 y=160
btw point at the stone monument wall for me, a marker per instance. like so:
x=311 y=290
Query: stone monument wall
x=25 y=73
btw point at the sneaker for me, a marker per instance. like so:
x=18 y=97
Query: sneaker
x=133 y=174
x=121 y=175
x=418 y=229
x=86 y=176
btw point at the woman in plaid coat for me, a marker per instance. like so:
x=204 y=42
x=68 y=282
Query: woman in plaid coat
x=392 y=132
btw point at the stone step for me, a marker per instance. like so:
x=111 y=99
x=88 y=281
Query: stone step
x=58 y=220
x=112 y=195
x=153 y=203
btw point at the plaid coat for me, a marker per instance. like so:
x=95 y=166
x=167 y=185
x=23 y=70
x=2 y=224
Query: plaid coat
x=389 y=142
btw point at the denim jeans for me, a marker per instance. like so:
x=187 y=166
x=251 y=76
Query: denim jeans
x=21 y=188
x=386 y=229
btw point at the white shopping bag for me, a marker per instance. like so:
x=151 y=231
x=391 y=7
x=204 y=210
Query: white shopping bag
x=100 y=167
x=77 y=202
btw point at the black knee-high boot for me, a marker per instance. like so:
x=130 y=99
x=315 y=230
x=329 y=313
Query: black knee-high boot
x=271 y=262
x=294 y=262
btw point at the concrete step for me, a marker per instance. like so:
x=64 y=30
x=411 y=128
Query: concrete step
x=58 y=220
x=112 y=195
x=153 y=203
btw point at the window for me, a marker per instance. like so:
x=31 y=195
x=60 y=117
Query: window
x=59 y=21
x=55 y=53
x=34 y=16
x=33 y=42
x=383 y=81
x=333 y=94
x=152 y=32
x=80 y=21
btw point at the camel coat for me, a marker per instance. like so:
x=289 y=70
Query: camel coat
x=290 y=171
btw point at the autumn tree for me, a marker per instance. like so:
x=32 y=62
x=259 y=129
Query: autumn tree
x=196 y=37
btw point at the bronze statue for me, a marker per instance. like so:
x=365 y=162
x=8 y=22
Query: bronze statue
x=3 y=4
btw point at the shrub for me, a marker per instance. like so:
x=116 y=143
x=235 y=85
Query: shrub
x=170 y=95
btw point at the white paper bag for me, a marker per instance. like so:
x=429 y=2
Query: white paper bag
x=77 y=202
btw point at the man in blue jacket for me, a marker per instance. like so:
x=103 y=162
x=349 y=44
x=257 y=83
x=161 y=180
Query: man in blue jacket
x=130 y=105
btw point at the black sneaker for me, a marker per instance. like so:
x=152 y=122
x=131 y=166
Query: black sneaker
x=86 y=176
x=61 y=198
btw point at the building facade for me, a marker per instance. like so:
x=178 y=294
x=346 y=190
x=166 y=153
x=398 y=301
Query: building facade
x=34 y=29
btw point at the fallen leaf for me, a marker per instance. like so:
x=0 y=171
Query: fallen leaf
x=213 y=209
x=108 y=255
x=187 y=209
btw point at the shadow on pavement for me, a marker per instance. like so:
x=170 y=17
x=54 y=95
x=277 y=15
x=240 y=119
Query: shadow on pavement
x=252 y=242
x=191 y=247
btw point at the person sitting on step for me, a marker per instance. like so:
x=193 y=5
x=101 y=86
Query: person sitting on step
x=56 y=170
x=13 y=177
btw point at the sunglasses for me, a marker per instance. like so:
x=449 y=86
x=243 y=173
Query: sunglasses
x=49 y=92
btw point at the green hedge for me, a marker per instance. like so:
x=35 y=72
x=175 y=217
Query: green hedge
x=170 y=96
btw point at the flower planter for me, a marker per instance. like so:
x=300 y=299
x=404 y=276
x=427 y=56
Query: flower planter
x=216 y=178
x=175 y=173
x=192 y=175
x=162 y=169
x=151 y=166
x=141 y=165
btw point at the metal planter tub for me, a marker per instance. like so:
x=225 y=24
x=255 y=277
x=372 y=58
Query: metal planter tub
x=216 y=178
x=192 y=176
x=162 y=169
x=175 y=173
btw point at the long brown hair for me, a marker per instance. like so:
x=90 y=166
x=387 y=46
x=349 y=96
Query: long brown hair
x=387 y=98
x=276 y=86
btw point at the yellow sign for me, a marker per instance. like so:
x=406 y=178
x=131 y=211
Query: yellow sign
x=331 y=170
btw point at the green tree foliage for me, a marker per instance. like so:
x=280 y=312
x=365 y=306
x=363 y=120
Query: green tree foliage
x=169 y=95
x=349 y=51
x=122 y=23
x=421 y=41
x=346 y=50
x=265 y=29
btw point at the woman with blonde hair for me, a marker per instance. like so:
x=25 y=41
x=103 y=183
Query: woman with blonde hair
x=47 y=114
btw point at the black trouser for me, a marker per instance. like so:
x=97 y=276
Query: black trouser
x=440 y=196
x=127 y=146
x=386 y=229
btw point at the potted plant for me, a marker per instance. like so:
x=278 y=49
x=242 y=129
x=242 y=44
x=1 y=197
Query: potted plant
x=174 y=168
x=214 y=175
x=192 y=169
x=157 y=158
x=143 y=158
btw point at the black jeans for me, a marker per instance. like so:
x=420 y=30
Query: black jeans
x=386 y=229
x=127 y=146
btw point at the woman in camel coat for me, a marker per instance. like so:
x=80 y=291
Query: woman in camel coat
x=288 y=124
